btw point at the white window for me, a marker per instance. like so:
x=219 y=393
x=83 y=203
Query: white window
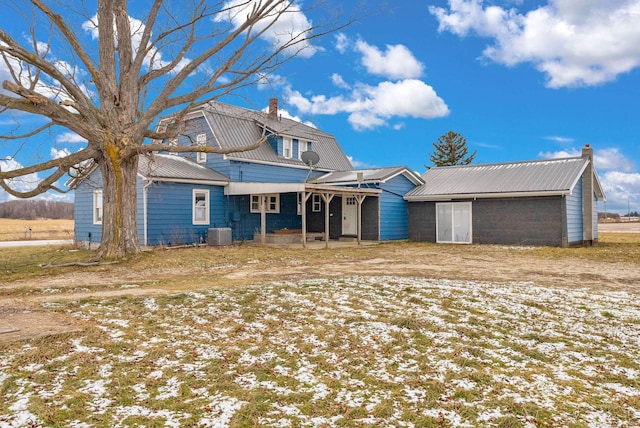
x=299 y=204
x=172 y=143
x=302 y=147
x=97 y=206
x=272 y=203
x=287 y=147
x=201 y=140
x=453 y=222
x=200 y=206
x=316 y=203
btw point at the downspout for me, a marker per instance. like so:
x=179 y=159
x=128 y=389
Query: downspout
x=587 y=197
x=144 y=211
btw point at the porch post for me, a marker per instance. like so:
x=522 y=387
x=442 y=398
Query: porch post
x=305 y=197
x=359 y=200
x=326 y=197
x=263 y=219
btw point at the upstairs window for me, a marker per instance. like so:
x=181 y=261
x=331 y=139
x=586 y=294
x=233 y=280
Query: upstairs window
x=201 y=140
x=287 y=147
x=97 y=206
x=200 y=206
x=302 y=147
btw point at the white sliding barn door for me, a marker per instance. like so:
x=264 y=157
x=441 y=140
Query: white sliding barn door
x=453 y=222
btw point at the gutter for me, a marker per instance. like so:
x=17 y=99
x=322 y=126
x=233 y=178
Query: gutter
x=144 y=211
x=428 y=198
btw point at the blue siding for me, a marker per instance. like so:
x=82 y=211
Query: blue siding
x=169 y=213
x=194 y=127
x=140 y=209
x=574 y=214
x=83 y=229
x=261 y=173
x=276 y=143
x=394 y=214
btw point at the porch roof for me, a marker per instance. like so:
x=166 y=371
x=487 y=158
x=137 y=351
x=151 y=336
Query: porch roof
x=253 y=188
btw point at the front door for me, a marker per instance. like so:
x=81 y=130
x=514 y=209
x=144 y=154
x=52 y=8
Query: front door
x=349 y=215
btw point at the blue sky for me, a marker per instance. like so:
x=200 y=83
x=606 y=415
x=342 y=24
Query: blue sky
x=521 y=80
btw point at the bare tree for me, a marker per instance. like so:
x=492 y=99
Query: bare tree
x=112 y=87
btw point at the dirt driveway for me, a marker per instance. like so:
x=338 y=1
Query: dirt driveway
x=32 y=308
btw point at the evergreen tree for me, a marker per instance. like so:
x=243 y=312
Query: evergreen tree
x=451 y=149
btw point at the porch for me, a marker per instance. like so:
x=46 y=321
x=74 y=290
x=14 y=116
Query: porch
x=322 y=212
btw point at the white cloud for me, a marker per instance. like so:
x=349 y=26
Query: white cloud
x=622 y=190
x=359 y=164
x=270 y=81
x=569 y=153
x=607 y=159
x=287 y=23
x=397 y=62
x=611 y=159
x=342 y=43
x=561 y=140
x=619 y=179
x=59 y=153
x=371 y=106
x=285 y=114
x=70 y=137
x=574 y=42
x=339 y=81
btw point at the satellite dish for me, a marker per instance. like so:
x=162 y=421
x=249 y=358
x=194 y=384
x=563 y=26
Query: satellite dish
x=310 y=158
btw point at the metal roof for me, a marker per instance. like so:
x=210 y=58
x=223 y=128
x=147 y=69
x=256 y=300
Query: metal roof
x=372 y=175
x=176 y=168
x=236 y=127
x=533 y=178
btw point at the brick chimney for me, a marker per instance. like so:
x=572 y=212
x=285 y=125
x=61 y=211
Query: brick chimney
x=273 y=108
x=587 y=197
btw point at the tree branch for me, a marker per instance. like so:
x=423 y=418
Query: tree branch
x=13 y=49
x=32 y=102
x=28 y=134
x=161 y=147
x=64 y=164
x=70 y=37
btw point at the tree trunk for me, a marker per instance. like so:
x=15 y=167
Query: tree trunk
x=119 y=225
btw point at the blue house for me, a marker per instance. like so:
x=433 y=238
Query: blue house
x=279 y=193
x=270 y=193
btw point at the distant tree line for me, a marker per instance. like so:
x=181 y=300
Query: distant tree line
x=31 y=210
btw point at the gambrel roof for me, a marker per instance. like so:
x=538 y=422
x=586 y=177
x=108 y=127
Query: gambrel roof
x=159 y=167
x=235 y=127
x=372 y=175
x=512 y=179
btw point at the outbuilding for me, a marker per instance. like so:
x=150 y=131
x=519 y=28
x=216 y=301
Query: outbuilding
x=549 y=202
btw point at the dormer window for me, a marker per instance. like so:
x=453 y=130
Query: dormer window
x=287 y=147
x=201 y=140
x=302 y=147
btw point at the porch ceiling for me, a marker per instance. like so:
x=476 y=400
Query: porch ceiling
x=268 y=188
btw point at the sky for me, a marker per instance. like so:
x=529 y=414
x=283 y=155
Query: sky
x=520 y=80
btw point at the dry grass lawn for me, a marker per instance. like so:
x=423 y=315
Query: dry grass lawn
x=398 y=334
x=16 y=230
